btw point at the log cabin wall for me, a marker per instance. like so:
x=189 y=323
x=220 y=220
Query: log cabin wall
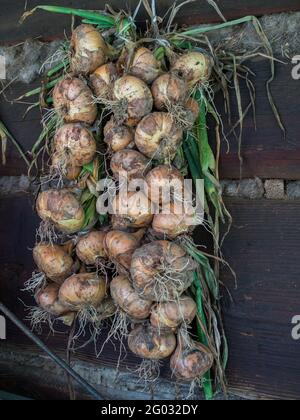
x=262 y=247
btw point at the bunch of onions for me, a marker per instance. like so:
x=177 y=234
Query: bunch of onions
x=81 y=291
x=90 y=247
x=149 y=343
x=161 y=271
x=195 y=67
x=73 y=101
x=191 y=360
x=89 y=50
x=144 y=65
x=62 y=209
x=180 y=219
x=167 y=90
x=164 y=182
x=158 y=137
x=47 y=299
x=133 y=99
x=75 y=145
x=128 y=165
x=120 y=247
x=131 y=210
x=102 y=80
x=53 y=261
x=173 y=314
x=118 y=137
x=128 y=300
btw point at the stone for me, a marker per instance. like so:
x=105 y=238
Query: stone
x=293 y=190
x=274 y=189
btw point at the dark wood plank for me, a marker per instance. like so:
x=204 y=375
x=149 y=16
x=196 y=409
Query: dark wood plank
x=49 y=26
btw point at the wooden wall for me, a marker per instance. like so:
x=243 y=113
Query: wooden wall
x=263 y=246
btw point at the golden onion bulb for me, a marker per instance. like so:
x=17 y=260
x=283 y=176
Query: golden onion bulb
x=89 y=50
x=178 y=220
x=118 y=136
x=195 y=67
x=62 y=209
x=131 y=210
x=144 y=65
x=158 y=137
x=164 y=181
x=102 y=80
x=167 y=90
x=64 y=168
x=90 y=247
x=47 y=298
x=129 y=164
x=173 y=314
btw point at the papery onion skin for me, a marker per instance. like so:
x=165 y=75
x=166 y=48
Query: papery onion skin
x=135 y=96
x=90 y=247
x=144 y=65
x=190 y=361
x=194 y=66
x=149 y=343
x=73 y=101
x=166 y=177
x=75 y=143
x=47 y=299
x=128 y=300
x=173 y=314
x=89 y=49
x=192 y=110
x=81 y=290
x=129 y=164
x=64 y=168
x=132 y=210
x=102 y=80
x=53 y=261
x=175 y=222
x=61 y=208
x=154 y=259
x=167 y=90
x=118 y=137
x=158 y=137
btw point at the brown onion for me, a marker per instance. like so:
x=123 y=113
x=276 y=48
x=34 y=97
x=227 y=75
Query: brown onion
x=173 y=314
x=75 y=145
x=102 y=80
x=176 y=221
x=104 y=310
x=158 y=137
x=144 y=65
x=161 y=271
x=163 y=182
x=80 y=290
x=191 y=360
x=73 y=101
x=53 y=261
x=150 y=343
x=194 y=66
x=61 y=208
x=120 y=246
x=131 y=210
x=63 y=168
x=167 y=90
x=192 y=110
x=89 y=49
x=118 y=137
x=128 y=300
x=134 y=99
x=47 y=299
x=129 y=164
x=90 y=247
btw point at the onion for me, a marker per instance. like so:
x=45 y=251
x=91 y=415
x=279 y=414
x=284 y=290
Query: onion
x=62 y=168
x=167 y=90
x=104 y=310
x=194 y=66
x=61 y=208
x=47 y=299
x=158 y=137
x=83 y=290
x=191 y=360
x=149 y=343
x=89 y=49
x=173 y=314
x=131 y=210
x=161 y=271
x=53 y=261
x=129 y=164
x=192 y=110
x=134 y=99
x=118 y=137
x=173 y=224
x=128 y=300
x=144 y=65
x=73 y=101
x=75 y=145
x=90 y=247
x=120 y=247
x=102 y=80
x=163 y=181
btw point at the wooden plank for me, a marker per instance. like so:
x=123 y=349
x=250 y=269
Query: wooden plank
x=48 y=26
